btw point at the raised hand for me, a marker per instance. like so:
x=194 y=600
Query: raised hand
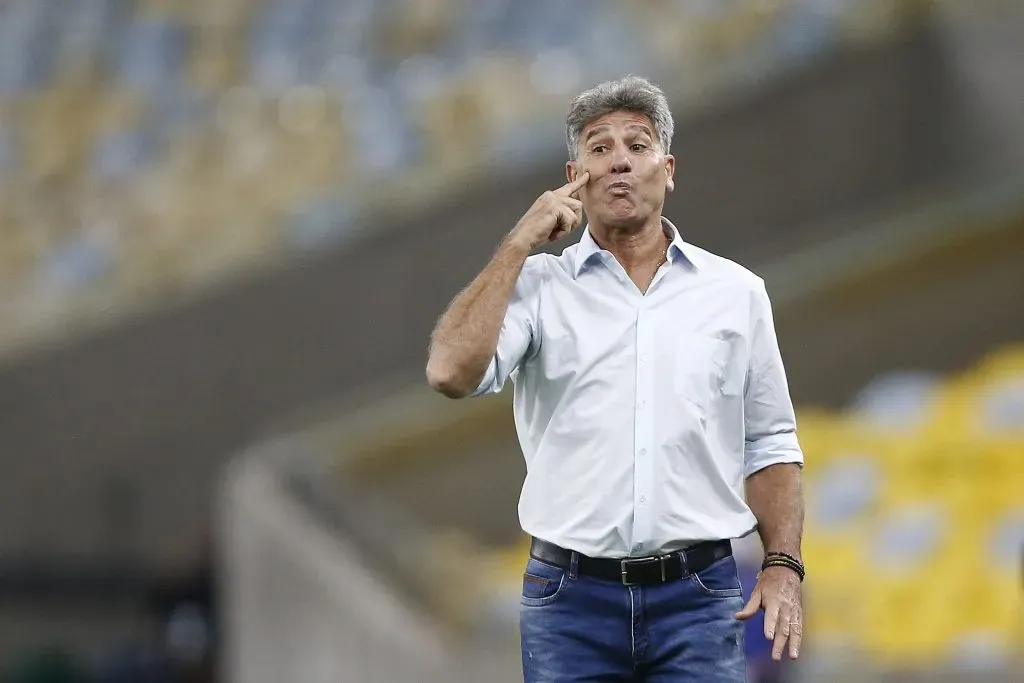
x=552 y=216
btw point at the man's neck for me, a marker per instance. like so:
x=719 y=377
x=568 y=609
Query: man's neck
x=633 y=248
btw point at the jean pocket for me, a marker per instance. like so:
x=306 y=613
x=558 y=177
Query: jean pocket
x=720 y=580
x=542 y=583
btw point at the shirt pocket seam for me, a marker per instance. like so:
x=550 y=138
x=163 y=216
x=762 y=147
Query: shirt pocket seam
x=713 y=350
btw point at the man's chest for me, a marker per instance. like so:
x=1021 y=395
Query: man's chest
x=692 y=336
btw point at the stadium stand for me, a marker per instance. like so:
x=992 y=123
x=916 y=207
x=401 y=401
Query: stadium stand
x=150 y=148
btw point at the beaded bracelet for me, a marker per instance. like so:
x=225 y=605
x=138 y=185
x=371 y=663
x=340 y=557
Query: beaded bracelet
x=783 y=563
x=784 y=560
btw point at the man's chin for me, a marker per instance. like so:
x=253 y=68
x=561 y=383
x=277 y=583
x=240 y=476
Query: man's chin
x=625 y=221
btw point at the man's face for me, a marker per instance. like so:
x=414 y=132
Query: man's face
x=629 y=172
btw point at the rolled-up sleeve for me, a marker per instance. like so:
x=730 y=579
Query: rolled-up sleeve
x=517 y=332
x=768 y=408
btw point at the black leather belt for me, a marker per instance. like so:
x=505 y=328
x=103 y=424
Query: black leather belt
x=636 y=570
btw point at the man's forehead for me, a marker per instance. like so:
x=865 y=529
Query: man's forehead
x=625 y=120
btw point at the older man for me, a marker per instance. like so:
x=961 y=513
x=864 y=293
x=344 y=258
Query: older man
x=653 y=412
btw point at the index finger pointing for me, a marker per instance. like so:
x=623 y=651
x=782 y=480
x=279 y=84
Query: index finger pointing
x=571 y=188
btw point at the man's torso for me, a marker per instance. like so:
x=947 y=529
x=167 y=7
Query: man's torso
x=629 y=406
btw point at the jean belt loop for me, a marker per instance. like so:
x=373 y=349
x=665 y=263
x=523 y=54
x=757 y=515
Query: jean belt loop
x=574 y=565
x=686 y=566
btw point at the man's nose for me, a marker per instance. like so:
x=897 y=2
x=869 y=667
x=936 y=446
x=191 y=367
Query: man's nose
x=620 y=162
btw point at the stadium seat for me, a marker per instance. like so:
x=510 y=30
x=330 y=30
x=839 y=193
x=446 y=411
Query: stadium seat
x=905 y=622
x=989 y=398
x=844 y=492
x=901 y=401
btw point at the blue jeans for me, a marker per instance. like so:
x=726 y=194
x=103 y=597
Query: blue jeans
x=577 y=628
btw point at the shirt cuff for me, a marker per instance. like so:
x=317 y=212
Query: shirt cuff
x=772 y=450
x=487 y=382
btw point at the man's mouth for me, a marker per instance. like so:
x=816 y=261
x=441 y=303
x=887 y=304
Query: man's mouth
x=619 y=188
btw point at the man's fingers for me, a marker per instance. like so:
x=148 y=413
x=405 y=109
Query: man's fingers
x=577 y=216
x=750 y=609
x=571 y=202
x=771 y=619
x=568 y=218
x=565 y=221
x=570 y=188
x=555 y=201
x=796 y=633
x=782 y=630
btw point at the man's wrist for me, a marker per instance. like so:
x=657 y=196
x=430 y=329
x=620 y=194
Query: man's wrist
x=785 y=560
x=794 y=555
x=515 y=243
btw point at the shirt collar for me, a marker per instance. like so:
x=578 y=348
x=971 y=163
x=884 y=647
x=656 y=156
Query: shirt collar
x=588 y=250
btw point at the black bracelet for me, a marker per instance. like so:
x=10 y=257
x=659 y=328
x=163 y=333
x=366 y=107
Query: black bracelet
x=775 y=559
x=783 y=561
x=779 y=562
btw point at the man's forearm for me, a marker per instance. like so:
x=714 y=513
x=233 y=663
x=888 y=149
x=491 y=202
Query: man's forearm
x=775 y=496
x=466 y=336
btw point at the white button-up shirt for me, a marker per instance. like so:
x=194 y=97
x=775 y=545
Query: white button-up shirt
x=640 y=415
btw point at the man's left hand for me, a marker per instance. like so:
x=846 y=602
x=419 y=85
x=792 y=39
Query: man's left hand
x=778 y=591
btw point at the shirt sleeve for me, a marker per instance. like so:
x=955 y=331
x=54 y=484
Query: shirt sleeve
x=517 y=333
x=768 y=408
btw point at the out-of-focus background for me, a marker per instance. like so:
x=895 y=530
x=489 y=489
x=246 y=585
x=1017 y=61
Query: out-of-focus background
x=228 y=226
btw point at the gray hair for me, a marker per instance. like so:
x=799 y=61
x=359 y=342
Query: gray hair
x=633 y=94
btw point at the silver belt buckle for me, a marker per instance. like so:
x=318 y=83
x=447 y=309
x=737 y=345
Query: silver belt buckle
x=625 y=573
x=624 y=570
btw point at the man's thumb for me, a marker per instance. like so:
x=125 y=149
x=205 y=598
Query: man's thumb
x=750 y=609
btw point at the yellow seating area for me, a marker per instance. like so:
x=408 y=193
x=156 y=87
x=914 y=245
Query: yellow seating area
x=914 y=537
x=151 y=147
x=940 y=521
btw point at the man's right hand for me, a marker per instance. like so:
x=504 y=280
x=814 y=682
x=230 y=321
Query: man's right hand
x=552 y=216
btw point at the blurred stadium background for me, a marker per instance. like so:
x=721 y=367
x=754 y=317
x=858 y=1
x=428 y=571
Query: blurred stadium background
x=227 y=227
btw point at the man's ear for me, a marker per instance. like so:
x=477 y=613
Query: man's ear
x=571 y=171
x=670 y=169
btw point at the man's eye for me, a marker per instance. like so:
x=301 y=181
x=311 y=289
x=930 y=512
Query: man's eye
x=597 y=149
x=638 y=146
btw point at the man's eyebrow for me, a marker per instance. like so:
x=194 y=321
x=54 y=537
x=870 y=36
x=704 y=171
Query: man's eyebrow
x=642 y=128
x=597 y=130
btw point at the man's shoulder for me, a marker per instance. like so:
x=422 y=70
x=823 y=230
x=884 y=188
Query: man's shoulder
x=725 y=269
x=542 y=265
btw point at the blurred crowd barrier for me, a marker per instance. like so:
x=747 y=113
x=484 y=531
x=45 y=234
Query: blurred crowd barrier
x=149 y=148
x=304 y=605
x=914 y=545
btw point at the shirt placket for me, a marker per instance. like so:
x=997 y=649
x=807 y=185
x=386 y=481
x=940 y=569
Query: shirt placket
x=643 y=433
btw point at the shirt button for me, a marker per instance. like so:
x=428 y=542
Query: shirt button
x=642 y=451
x=643 y=405
x=638 y=547
x=643 y=499
x=643 y=357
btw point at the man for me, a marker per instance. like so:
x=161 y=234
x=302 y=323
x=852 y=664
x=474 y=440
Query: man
x=649 y=389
